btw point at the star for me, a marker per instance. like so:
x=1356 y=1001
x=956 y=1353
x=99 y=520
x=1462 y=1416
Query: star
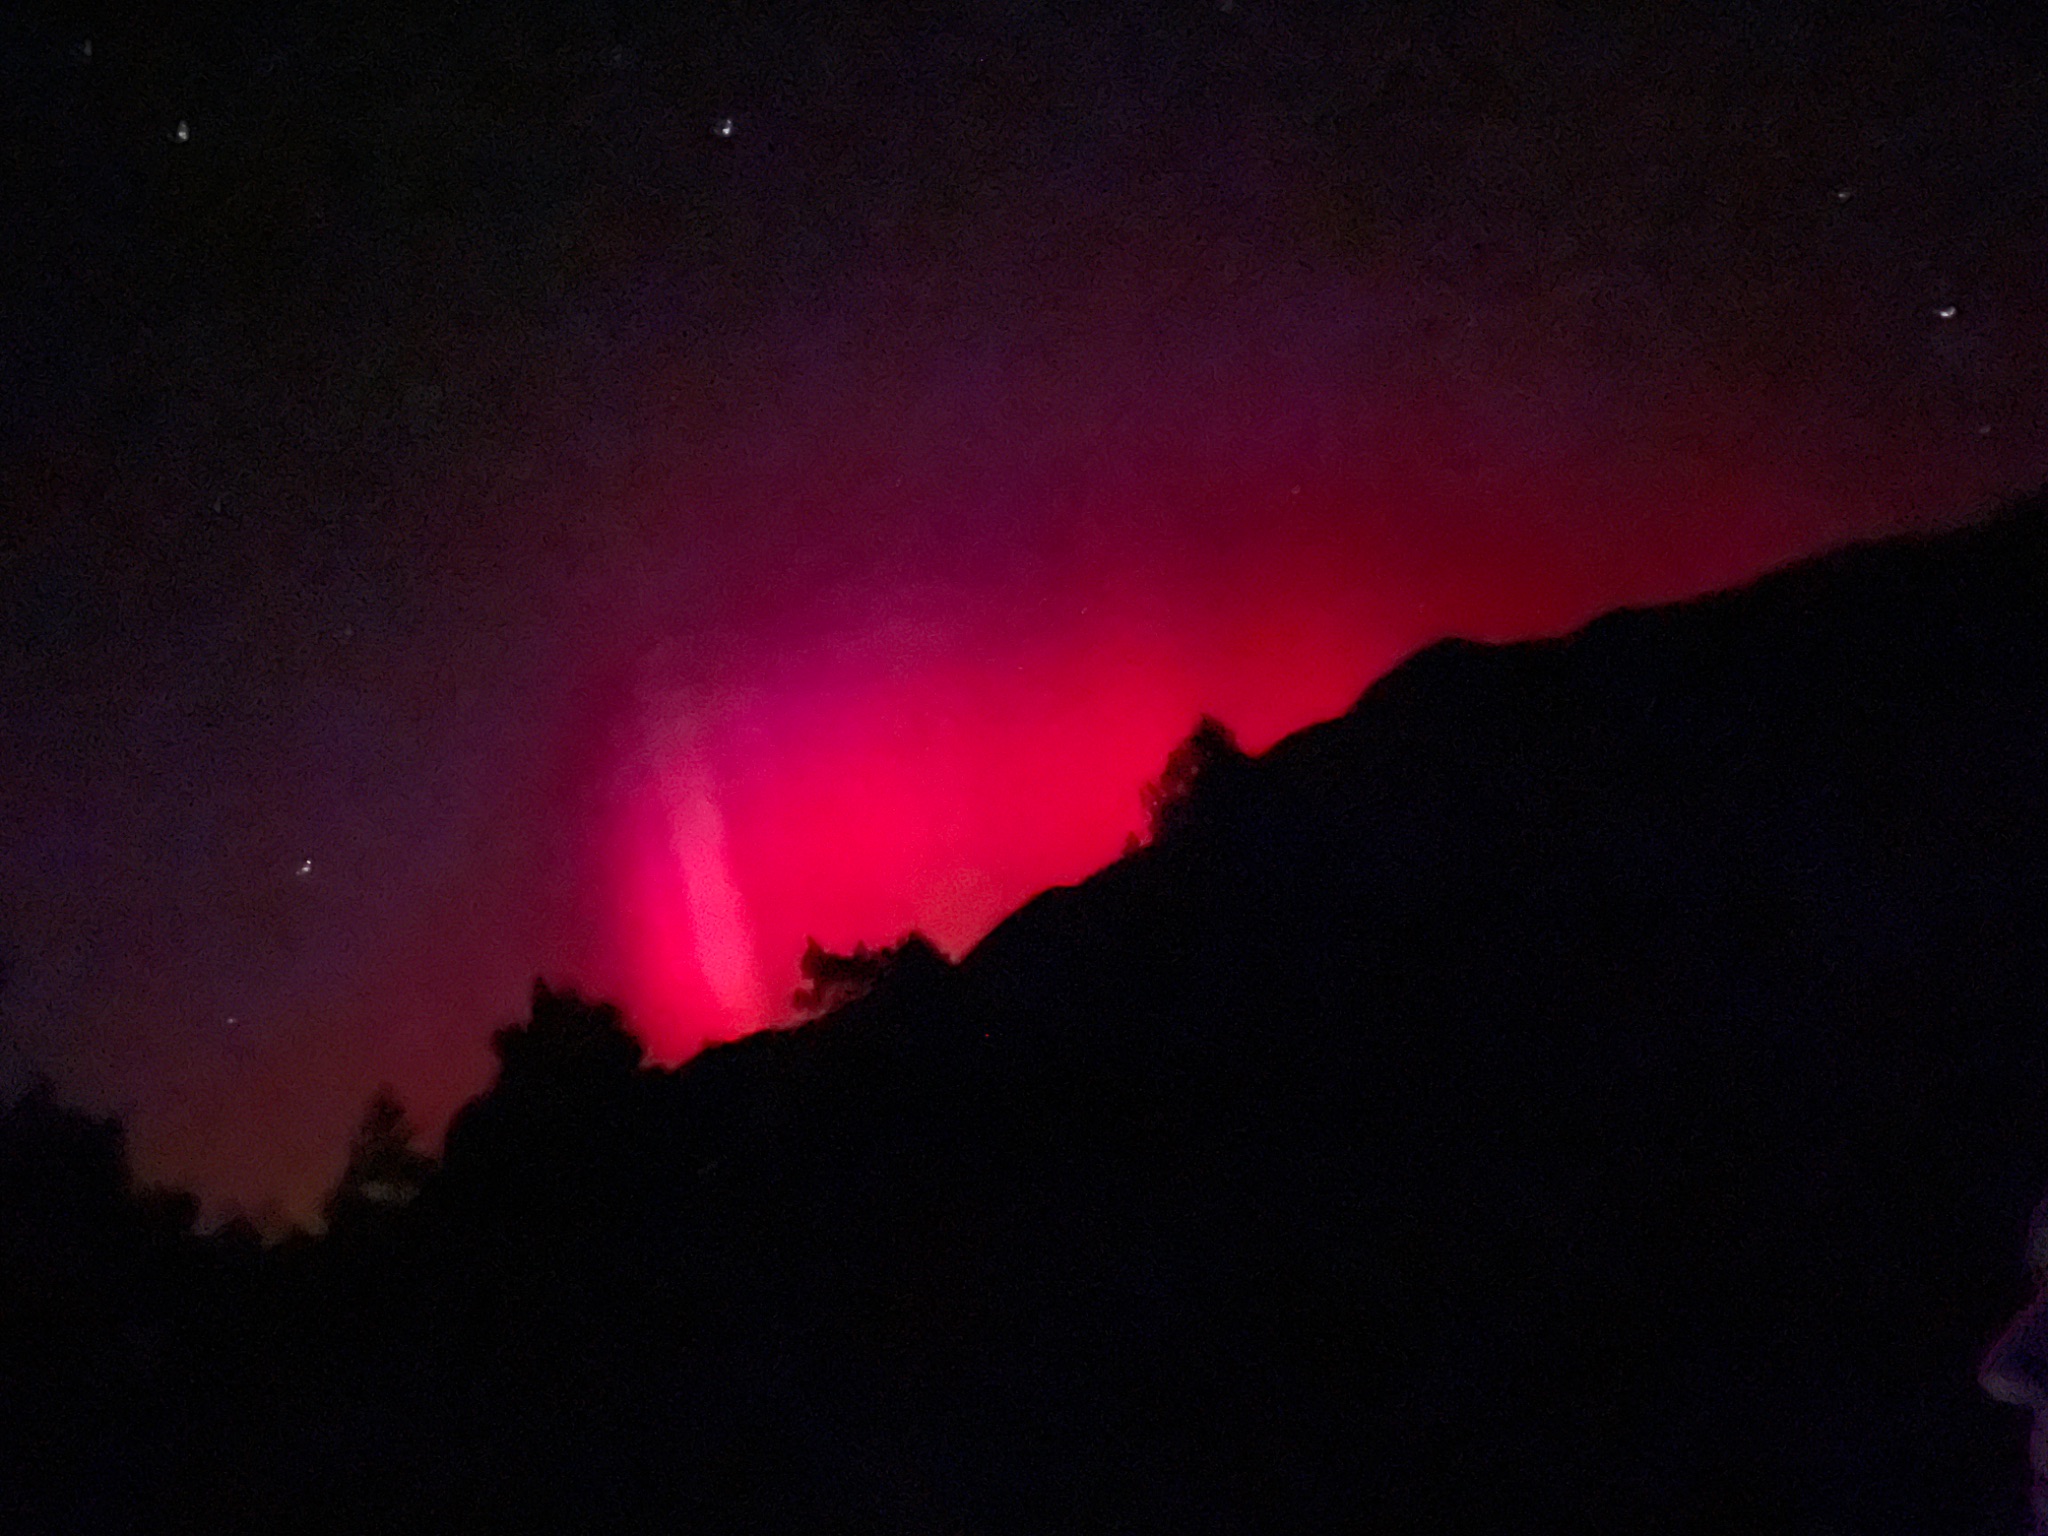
x=305 y=869
x=1946 y=312
x=723 y=127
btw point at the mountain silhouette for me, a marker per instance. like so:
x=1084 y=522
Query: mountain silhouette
x=1621 y=1057
x=1597 y=1083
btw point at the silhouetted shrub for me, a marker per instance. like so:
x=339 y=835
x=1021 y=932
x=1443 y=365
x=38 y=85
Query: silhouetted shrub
x=834 y=980
x=1202 y=774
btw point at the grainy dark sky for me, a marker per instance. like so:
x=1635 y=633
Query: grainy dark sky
x=608 y=494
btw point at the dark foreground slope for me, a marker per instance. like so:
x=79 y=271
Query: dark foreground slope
x=1592 y=1085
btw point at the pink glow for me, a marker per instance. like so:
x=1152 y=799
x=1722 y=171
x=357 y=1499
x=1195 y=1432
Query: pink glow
x=935 y=682
x=930 y=776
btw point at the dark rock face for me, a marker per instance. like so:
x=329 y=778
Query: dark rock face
x=1639 y=1032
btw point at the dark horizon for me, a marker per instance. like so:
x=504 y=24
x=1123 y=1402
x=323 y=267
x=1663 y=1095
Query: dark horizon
x=1599 y=1083
x=610 y=495
x=865 y=959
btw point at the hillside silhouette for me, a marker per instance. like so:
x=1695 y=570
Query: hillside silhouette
x=1593 y=1084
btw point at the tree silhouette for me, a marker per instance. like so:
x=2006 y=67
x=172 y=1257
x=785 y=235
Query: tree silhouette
x=832 y=980
x=385 y=1170
x=1199 y=773
x=566 y=1040
x=59 y=1163
x=559 y=1118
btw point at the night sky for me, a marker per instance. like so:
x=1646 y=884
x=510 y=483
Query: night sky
x=610 y=497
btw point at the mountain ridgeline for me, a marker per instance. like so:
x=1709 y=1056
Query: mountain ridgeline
x=1594 y=1084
